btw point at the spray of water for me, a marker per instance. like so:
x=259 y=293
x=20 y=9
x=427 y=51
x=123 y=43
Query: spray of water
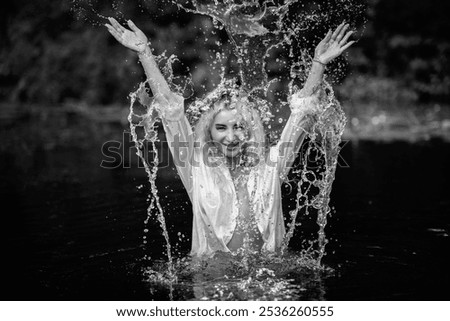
x=257 y=29
x=147 y=122
x=271 y=41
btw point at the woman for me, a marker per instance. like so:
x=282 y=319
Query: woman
x=233 y=184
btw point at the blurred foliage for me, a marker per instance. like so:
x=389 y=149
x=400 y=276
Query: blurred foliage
x=403 y=54
x=56 y=52
x=59 y=52
x=382 y=91
x=48 y=56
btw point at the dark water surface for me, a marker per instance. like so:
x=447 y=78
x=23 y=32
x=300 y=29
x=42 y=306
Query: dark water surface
x=72 y=230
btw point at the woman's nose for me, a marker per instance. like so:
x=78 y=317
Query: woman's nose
x=231 y=135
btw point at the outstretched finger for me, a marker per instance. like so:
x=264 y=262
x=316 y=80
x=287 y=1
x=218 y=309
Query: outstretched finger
x=327 y=37
x=338 y=29
x=347 y=45
x=342 y=33
x=133 y=26
x=114 y=33
x=116 y=25
x=344 y=40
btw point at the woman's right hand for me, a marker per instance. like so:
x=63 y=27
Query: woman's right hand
x=133 y=39
x=334 y=44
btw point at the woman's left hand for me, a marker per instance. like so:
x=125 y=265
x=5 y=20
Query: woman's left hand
x=134 y=39
x=333 y=44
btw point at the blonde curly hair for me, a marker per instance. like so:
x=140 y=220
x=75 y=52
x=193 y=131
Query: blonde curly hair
x=232 y=99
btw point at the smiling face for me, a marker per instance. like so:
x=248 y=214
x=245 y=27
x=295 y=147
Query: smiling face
x=229 y=132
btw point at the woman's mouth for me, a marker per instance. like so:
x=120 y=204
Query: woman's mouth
x=232 y=146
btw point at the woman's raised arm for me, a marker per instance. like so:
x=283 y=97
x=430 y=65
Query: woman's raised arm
x=305 y=103
x=332 y=46
x=136 y=40
x=169 y=104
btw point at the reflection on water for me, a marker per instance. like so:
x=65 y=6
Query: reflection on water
x=73 y=230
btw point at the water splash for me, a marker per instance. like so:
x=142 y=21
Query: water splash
x=144 y=118
x=317 y=171
x=257 y=29
x=271 y=41
x=91 y=10
x=225 y=276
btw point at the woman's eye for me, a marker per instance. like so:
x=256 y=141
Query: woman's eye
x=220 y=128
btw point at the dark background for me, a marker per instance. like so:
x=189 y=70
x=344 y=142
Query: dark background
x=71 y=228
x=57 y=53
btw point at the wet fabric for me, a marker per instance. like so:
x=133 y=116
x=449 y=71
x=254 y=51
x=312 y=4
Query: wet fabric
x=210 y=185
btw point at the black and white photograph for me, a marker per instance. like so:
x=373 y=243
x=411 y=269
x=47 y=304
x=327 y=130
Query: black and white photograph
x=225 y=150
